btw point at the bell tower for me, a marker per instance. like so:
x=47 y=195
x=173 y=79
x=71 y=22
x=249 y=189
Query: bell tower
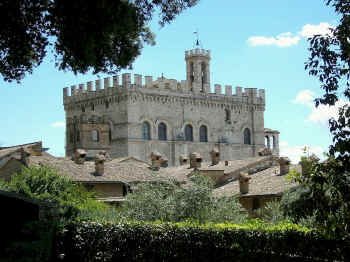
x=198 y=69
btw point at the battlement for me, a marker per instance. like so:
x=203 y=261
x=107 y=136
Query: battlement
x=197 y=52
x=162 y=86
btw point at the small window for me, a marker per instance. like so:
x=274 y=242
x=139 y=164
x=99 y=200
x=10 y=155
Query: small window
x=83 y=109
x=227 y=115
x=95 y=135
x=203 y=134
x=246 y=135
x=92 y=107
x=162 y=132
x=146 y=131
x=188 y=133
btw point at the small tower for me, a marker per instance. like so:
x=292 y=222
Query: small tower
x=198 y=69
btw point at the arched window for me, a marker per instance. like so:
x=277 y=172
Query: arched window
x=192 y=72
x=146 y=131
x=95 y=135
x=203 y=134
x=162 y=132
x=246 y=135
x=188 y=133
x=267 y=141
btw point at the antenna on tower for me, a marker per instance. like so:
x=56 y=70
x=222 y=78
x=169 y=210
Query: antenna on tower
x=197 y=42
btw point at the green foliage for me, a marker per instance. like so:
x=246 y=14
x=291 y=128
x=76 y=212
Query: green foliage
x=44 y=183
x=254 y=241
x=103 y=36
x=272 y=212
x=167 y=201
x=322 y=197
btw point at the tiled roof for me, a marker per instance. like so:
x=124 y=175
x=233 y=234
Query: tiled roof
x=266 y=182
x=233 y=167
x=5 y=151
x=117 y=170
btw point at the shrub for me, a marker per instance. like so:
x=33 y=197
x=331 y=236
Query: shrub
x=256 y=241
x=167 y=201
x=44 y=183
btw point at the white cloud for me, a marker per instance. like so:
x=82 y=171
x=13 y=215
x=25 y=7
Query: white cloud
x=305 y=97
x=311 y=30
x=294 y=153
x=282 y=40
x=58 y=124
x=288 y=39
x=322 y=113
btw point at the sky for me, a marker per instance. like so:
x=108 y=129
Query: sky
x=254 y=44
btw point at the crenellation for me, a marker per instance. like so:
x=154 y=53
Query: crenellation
x=73 y=90
x=106 y=83
x=116 y=81
x=138 y=80
x=228 y=90
x=126 y=80
x=217 y=89
x=98 y=84
x=65 y=92
x=89 y=86
x=238 y=91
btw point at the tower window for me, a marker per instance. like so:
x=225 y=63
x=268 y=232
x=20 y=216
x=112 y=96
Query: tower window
x=246 y=135
x=203 y=134
x=95 y=135
x=188 y=133
x=227 y=115
x=191 y=72
x=162 y=132
x=203 y=75
x=146 y=131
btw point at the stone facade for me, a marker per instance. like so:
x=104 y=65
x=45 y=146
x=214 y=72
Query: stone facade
x=172 y=117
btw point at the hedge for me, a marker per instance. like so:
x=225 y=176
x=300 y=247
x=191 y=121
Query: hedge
x=135 y=241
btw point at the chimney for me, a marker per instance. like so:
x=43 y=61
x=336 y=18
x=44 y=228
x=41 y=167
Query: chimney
x=183 y=160
x=165 y=162
x=284 y=165
x=79 y=156
x=215 y=156
x=244 y=181
x=156 y=159
x=195 y=160
x=99 y=164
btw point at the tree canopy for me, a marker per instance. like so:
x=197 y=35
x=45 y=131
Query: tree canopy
x=329 y=61
x=103 y=36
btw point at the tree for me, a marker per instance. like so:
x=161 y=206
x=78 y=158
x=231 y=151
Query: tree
x=329 y=61
x=104 y=36
x=44 y=183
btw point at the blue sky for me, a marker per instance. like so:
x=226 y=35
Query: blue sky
x=254 y=44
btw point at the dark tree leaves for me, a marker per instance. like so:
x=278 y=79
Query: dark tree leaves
x=103 y=36
x=329 y=61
